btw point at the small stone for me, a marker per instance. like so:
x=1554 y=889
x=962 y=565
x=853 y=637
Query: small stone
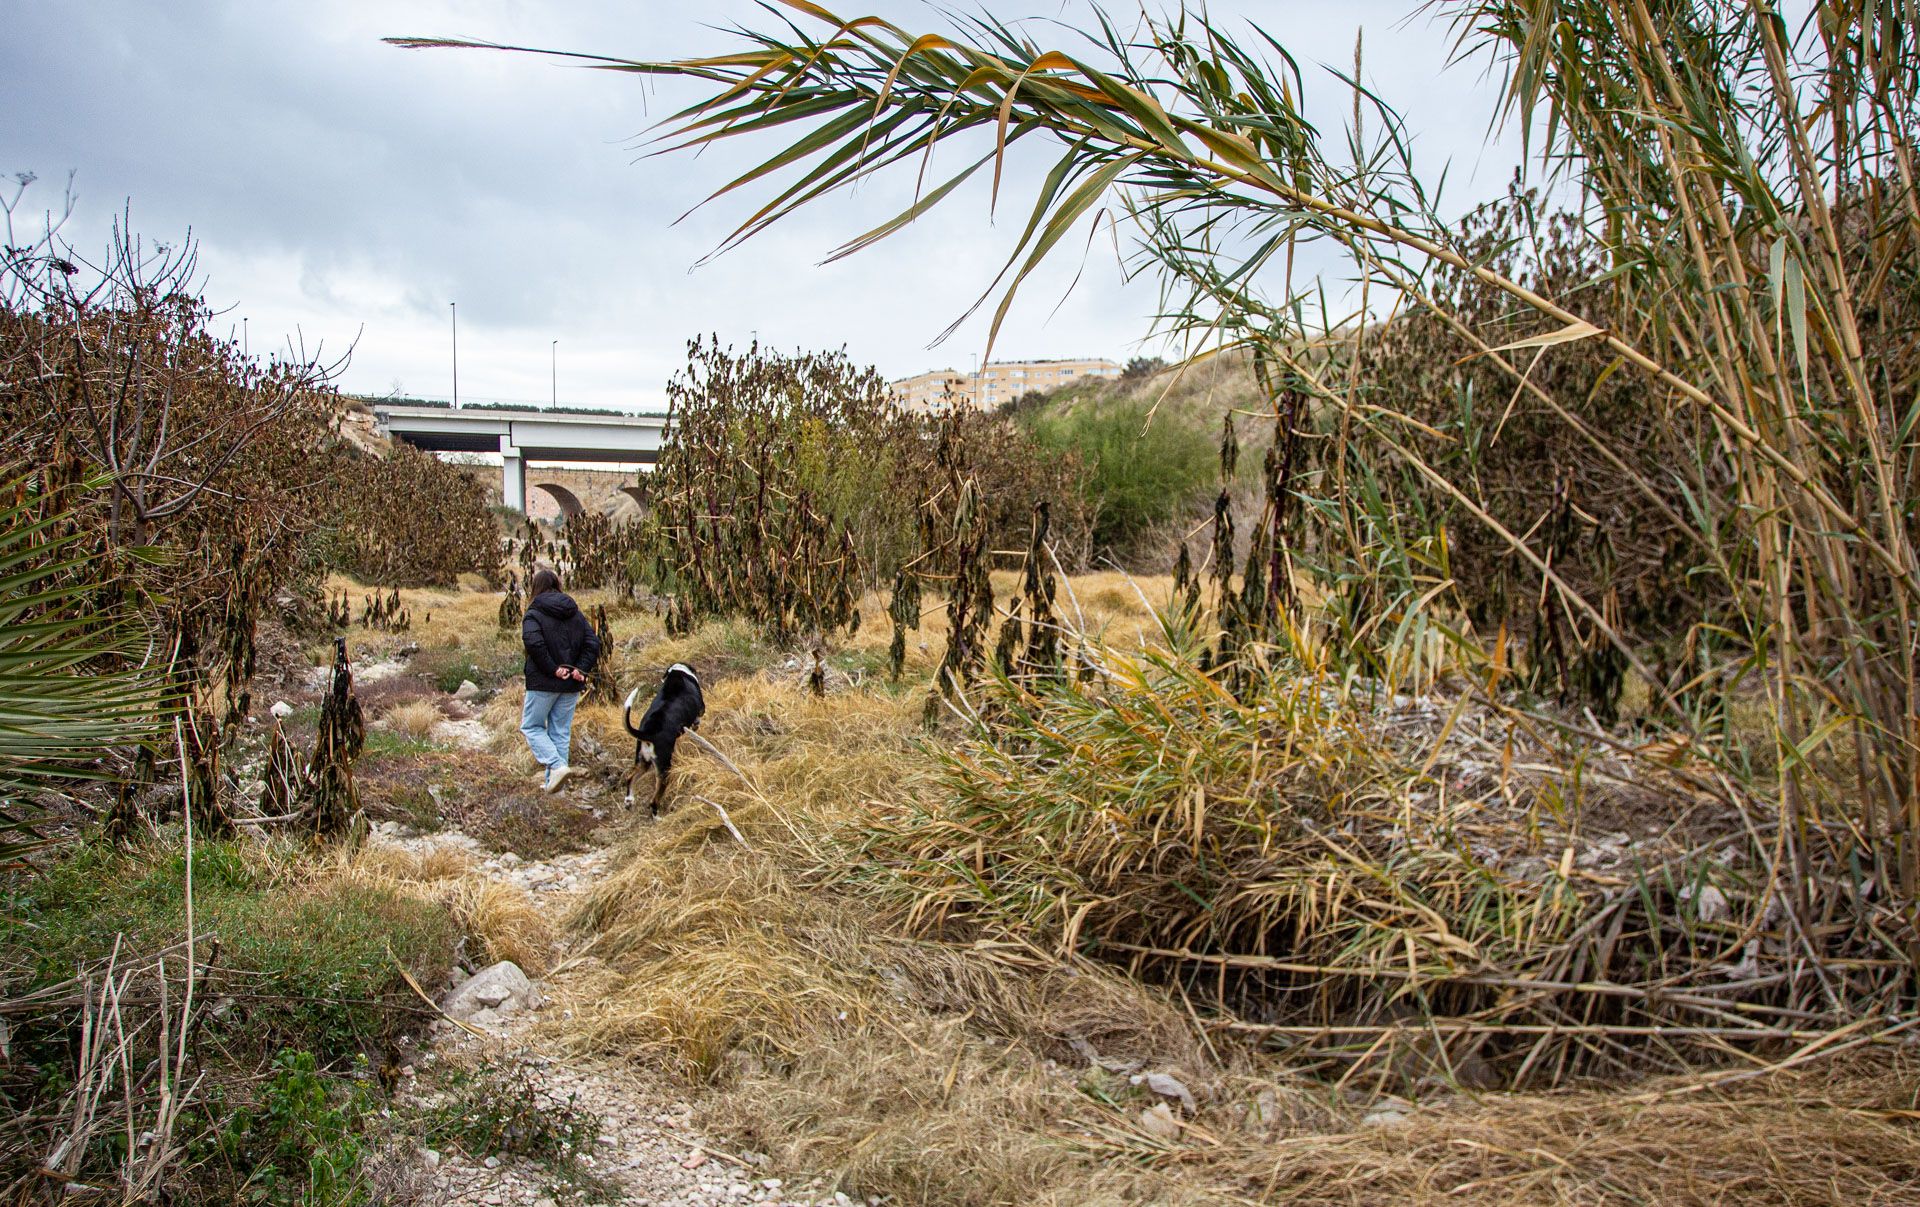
x=467 y=690
x=431 y=1157
x=281 y=710
x=491 y=1162
x=500 y=986
x=1391 y=1112
x=1158 y=1121
x=1166 y=1087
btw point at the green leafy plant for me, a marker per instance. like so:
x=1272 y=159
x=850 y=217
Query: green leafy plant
x=302 y=1143
x=77 y=679
x=1142 y=469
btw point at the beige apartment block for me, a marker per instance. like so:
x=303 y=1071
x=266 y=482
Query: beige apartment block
x=1000 y=382
x=930 y=391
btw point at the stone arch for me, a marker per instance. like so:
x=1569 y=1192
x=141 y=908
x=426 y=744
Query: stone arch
x=638 y=494
x=569 y=502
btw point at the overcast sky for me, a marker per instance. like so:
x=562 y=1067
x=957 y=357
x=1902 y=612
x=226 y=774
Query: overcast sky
x=341 y=188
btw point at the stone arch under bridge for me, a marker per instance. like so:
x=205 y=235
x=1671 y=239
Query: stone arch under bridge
x=569 y=502
x=600 y=491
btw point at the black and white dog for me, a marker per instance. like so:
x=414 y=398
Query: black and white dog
x=676 y=709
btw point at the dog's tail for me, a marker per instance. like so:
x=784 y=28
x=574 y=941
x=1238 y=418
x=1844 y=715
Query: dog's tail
x=626 y=713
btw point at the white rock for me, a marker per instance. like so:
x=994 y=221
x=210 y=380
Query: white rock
x=281 y=710
x=1166 y=1087
x=501 y=987
x=1709 y=904
x=431 y=1157
x=1391 y=1112
x=1158 y=1121
x=467 y=690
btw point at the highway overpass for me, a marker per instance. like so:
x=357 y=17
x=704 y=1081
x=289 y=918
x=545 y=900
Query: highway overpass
x=521 y=437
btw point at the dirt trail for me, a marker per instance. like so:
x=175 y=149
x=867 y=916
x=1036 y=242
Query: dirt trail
x=647 y=1150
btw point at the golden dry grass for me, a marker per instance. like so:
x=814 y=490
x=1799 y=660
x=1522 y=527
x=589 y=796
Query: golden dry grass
x=413 y=719
x=1836 y=1134
x=809 y=1026
x=500 y=916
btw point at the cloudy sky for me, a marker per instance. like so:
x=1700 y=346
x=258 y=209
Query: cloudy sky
x=341 y=189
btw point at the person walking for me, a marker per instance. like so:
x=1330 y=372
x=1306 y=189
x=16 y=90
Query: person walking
x=561 y=649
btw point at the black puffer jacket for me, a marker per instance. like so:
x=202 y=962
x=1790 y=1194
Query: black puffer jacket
x=556 y=634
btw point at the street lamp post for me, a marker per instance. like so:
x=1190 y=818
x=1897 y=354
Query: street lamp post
x=556 y=372
x=455 y=308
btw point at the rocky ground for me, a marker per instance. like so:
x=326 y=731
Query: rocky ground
x=646 y=1150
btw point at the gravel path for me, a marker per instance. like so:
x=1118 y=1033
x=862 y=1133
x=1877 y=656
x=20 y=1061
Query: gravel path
x=647 y=1148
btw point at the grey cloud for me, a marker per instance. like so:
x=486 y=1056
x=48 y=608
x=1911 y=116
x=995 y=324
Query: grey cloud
x=338 y=185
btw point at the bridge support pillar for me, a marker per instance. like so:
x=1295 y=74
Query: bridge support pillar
x=513 y=490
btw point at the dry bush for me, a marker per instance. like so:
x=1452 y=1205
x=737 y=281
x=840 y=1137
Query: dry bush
x=411 y=519
x=788 y=486
x=1322 y=864
x=506 y=921
x=413 y=719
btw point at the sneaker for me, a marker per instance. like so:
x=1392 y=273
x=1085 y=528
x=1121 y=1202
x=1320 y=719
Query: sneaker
x=555 y=775
x=546 y=778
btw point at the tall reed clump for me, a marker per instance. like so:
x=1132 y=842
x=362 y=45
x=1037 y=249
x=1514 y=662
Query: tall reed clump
x=328 y=803
x=1748 y=191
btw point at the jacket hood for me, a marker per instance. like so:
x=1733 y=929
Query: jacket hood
x=557 y=604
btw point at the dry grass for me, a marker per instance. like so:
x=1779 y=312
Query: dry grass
x=500 y=916
x=412 y=719
x=446 y=617
x=812 y=1028
x=1834 y=1135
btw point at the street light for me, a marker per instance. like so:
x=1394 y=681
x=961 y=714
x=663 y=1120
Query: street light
x=455 y=308
x=556 y=373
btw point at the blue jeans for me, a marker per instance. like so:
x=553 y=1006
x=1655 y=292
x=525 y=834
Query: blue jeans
x=546 y=721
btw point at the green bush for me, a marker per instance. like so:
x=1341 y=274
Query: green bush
x=302 y=1141
x=1140 y=472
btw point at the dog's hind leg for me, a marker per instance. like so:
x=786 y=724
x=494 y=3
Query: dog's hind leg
x=662 y=765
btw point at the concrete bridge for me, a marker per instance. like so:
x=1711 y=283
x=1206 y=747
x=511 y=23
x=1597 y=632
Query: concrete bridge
x=521 y=437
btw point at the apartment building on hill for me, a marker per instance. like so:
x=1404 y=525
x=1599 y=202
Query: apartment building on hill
x=1000 y=382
